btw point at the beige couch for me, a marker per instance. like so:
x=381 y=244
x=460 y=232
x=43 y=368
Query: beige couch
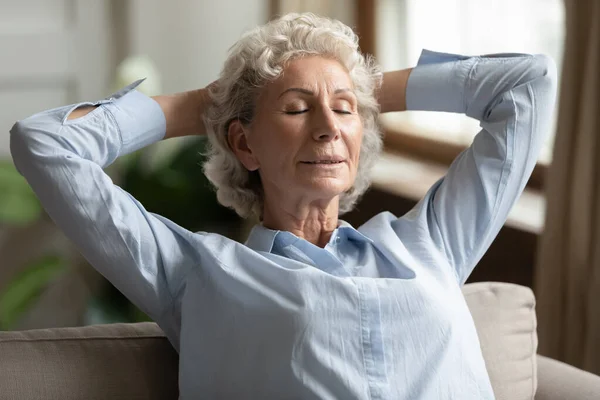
x=135 y=361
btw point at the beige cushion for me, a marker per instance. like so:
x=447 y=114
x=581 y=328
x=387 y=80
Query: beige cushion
x=136 y=361
x=116 y=361
x=560 y=381
x=504 y=316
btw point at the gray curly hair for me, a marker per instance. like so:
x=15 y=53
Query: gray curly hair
x=258 y=58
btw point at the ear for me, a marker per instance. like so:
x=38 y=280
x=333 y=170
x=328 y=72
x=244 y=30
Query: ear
x=238 y=142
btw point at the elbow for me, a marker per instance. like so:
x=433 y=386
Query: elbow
x=29 y=138
x=18 y=145
x=544 y=71
x=25 y=126
x=17 y=135
x=545 y=65
x=545 y=85
x=18 y=129
x=22 y=130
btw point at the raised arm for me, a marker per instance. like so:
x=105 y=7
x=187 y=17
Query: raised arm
x=144 y=255
x=182 y=111
x=392 y=94
x=513 y=97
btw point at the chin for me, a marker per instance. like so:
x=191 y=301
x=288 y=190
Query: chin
x=327 y=188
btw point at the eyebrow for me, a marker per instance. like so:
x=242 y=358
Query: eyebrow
x=310 y=92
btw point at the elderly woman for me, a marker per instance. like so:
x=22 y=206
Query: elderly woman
x=309 y=307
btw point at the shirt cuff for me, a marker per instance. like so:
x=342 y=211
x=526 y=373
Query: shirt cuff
x=438 y=82
x=139 y=118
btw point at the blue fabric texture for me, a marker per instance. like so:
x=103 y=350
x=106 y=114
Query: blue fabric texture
x=376 y=314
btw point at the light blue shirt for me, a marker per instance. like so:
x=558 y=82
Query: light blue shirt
x=376 y=314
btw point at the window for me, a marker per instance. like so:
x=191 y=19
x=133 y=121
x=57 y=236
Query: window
x=421 y=145
x=404 y=27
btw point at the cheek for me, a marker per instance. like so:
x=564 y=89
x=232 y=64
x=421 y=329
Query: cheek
x=355 y=137
x=275 y=143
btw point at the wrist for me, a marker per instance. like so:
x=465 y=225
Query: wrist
x=183 y=112
x=200 y=101
x=392 y=94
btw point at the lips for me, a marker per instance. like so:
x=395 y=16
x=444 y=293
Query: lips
x=322 y=162
x=332 y=159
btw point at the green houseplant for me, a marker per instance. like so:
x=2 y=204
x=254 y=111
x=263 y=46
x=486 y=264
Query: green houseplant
x=20 y=207
x=175 y=188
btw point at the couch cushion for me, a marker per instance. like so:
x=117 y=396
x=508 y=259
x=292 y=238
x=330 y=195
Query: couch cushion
x=504 y=316
x=116 y=361
x=136 y=361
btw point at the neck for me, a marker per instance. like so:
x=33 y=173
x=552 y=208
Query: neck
x=313 y=222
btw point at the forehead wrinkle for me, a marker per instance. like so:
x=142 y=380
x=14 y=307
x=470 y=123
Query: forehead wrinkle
x=308 y=79
x=311 y=93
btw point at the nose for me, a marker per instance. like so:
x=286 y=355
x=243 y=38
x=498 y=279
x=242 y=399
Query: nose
x=325 y=125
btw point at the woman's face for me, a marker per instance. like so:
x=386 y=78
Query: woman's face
x=306 y=134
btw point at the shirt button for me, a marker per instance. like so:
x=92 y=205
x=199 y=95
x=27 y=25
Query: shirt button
x=337 y=239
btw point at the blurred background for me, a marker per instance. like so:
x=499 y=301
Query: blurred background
x=58 y=52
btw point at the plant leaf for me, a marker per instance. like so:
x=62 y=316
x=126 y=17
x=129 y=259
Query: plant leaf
x=138 y=315
x=18 y=203
x=101 y=310
x=25 y=288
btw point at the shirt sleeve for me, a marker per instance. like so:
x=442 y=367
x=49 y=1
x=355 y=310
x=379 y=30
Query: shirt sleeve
x=513 y=97
x=142 y=254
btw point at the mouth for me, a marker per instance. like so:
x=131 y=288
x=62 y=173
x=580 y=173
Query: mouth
x=323 y=162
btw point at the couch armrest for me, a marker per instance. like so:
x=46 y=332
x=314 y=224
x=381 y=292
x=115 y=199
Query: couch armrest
x=560 y=381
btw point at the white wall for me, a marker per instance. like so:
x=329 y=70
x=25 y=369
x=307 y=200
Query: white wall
x=188 y=39
x=343 y=10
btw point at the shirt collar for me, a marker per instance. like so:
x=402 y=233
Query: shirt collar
x=262 y=239
x=353 y=233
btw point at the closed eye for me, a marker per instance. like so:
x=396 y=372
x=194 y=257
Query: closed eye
x=303 y=111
